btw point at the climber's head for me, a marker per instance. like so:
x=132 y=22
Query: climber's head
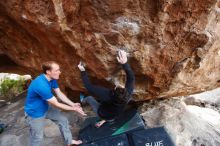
x=120 y=94
x=51 y=69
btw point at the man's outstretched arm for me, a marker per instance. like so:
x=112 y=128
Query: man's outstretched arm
x=64 y=98
x=62 y=106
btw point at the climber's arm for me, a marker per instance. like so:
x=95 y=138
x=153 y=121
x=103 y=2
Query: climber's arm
x=122 y=59
x=101 y=92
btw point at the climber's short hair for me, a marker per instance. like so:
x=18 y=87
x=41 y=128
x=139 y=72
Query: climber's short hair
x=48 y=66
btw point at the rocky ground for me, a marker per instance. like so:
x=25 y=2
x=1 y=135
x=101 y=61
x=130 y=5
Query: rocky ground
x=190 y=121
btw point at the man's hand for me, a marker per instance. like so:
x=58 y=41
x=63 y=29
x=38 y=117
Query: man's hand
x=77 y=107
x=76 y=104
x=122 y=57
x=81 y=67
x=79 y=110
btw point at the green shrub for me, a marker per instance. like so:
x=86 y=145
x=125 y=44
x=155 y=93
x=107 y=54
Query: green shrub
x=10 y=88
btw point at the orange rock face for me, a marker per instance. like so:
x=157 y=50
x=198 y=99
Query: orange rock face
x=172 y=45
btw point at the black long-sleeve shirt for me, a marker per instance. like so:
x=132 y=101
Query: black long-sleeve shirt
x=109 y=108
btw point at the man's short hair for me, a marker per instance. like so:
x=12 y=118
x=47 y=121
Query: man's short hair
x=48 y=66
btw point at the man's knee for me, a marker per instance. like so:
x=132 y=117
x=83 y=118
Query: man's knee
x=36 y=129
x=36 y=136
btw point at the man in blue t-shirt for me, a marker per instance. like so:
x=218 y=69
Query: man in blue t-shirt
x=42 y=104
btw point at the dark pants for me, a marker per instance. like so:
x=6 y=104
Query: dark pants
x=95 y=106
x=93 y=103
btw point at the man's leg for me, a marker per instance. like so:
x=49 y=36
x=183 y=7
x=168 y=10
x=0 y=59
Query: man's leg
x=56 y=116
x=36 y=130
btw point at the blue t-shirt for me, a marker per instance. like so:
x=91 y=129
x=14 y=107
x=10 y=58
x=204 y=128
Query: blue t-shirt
x=39 y=91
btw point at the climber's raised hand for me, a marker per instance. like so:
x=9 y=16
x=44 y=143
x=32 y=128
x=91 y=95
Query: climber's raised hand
x=81 y=66
x=122 y=57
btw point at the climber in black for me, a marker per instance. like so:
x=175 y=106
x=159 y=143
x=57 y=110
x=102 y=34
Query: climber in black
x=112 y=101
